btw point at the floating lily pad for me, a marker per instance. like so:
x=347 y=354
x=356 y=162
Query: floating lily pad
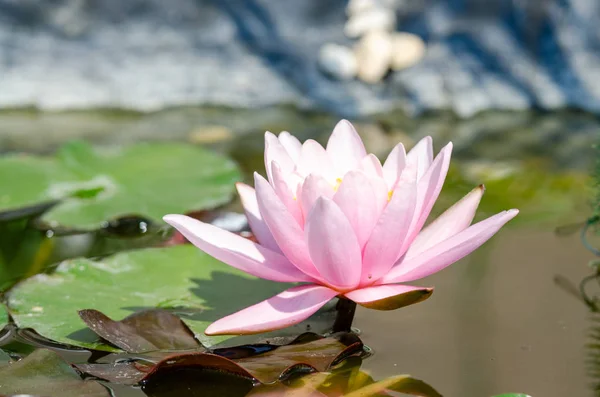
x=148 y=330
x=44 y=373
x=264 y=363
x=181 y=279
x=91 y=186
x=544 y=197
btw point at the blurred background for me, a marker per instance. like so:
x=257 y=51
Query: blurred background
x=515 y=84
x=111 y=70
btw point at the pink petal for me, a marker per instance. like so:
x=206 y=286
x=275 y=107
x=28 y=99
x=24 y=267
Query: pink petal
x=286 y=193
x=386 y=241
x=371 y=165
x=394 y=164
x=286 y=231
x=389 y=297
x=454 y=220
x=449 y=251
x=315 y=160
x=332 y=245
x=421 y=155
x=236 y=251
x=357 y=200
x=314 y=186
x=291 y=144
x=428 y=190
x=274 y=151
x=283 y=310
x=259 y=227
x=381 y=192
x=345 y=147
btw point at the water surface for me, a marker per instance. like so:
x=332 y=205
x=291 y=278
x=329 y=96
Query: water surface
x=496 y=322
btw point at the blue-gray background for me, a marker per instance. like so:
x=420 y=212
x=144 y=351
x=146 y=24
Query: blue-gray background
x=152 y=54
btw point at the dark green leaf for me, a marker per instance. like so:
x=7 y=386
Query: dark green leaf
x=44 y=373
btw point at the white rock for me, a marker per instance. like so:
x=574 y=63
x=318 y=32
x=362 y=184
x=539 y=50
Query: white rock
x=359 y=6
x=372 y=19
x=338 y=61
x=407 y=50
x=355 y=7
x=374 y=56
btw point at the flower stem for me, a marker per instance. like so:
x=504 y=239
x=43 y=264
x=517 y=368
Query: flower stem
x=345 y=315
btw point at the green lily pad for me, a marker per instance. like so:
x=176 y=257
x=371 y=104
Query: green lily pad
x=4 y=358
x=92 y=186
x=543 y=196
x=44 y=373
x=3 y=317
x=194 y=286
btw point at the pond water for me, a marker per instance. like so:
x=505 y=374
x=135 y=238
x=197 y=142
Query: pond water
x=497 y=321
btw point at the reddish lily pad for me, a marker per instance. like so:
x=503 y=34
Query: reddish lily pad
x=143 y=331
x=123 y=373
x=44 y=373
x=264 y=363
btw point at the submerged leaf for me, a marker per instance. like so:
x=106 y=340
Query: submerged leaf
x=180 y=279
x=92 y=186
x=144 y=331
x=346 y=380
x=400 y=383
x=44 y=373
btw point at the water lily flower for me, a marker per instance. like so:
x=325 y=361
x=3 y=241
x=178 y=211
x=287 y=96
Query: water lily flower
x=342 y=224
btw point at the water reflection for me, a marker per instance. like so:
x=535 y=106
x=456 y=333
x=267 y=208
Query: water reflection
x=484 y=332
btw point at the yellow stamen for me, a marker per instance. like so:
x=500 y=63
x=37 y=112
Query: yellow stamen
x=390 y=194
x=338 y=182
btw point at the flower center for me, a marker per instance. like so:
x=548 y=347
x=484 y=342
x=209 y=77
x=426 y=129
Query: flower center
x=338 y=182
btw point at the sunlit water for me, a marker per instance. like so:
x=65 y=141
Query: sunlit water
x=496 y=322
